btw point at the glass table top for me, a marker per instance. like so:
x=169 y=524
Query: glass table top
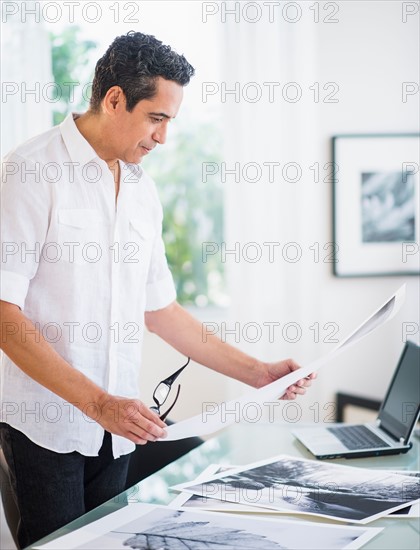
x=243 y=444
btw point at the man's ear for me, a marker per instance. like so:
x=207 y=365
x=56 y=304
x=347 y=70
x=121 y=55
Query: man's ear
x=114 y=100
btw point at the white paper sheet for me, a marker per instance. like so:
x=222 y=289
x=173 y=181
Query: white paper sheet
x=147 y=526
x=203 y=424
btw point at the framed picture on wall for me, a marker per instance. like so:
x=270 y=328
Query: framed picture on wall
x=376 y=204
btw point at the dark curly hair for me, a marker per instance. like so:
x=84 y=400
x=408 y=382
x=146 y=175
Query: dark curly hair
x=134 y=61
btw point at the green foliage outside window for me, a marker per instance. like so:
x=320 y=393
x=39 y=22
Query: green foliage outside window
x=70 y=58
x=193 y=210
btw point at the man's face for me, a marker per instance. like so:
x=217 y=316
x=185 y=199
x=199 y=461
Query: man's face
x=135 y=134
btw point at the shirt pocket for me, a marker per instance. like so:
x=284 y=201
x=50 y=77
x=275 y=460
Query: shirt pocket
x=139 y=249
x=82 y=235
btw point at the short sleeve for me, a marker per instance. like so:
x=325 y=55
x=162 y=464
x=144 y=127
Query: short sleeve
x=160 y=288
x=25 y=205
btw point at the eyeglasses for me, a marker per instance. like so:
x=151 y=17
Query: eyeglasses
x=162 y=390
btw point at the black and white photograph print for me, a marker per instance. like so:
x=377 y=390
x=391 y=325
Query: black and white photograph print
x=412 y=511
x=164 y=528
x=376 y=204
x=388 y=207
x=300 y=486
x=191 y=501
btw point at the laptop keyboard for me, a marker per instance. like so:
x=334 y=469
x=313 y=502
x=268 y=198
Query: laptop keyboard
x=357 y=437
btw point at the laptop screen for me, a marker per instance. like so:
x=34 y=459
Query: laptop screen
x=401 y=405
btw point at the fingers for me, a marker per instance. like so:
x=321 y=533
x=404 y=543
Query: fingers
x=306 y=382
x=297 y=389
x=132 y=419
x=152 y=416
x=300 y=386
x=289 y=395
x=146 y=426
x=146 y=431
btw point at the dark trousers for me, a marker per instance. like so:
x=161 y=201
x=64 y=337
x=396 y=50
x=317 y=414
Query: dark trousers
x=52 y=489
x=148 y=459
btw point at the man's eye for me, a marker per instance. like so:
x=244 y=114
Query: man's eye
x=157 y=120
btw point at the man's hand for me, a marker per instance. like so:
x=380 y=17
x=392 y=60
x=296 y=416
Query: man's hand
x=129 y=418
x=274 y=371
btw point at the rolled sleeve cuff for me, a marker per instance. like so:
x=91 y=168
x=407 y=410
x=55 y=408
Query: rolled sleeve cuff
x=160 y=293
x=13 y=287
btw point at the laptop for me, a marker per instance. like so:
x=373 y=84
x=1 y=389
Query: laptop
x=391 y=432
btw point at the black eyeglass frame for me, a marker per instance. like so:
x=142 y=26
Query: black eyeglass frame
x=168 y=383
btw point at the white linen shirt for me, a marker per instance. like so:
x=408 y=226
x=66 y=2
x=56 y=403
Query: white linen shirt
x=84 y=267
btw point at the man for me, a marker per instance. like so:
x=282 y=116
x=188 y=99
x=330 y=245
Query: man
x=83 y=266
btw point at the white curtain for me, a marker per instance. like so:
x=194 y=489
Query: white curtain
x=27 y=82
x=281 y=208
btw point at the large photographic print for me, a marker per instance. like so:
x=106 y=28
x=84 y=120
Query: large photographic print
x=376 y=204
x=304 y=486
x=191 y=501
x=141 y=526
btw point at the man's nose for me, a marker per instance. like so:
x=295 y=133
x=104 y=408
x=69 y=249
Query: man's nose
x=160 y=135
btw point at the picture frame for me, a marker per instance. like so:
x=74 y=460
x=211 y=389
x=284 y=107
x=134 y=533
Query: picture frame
x=376 y=220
